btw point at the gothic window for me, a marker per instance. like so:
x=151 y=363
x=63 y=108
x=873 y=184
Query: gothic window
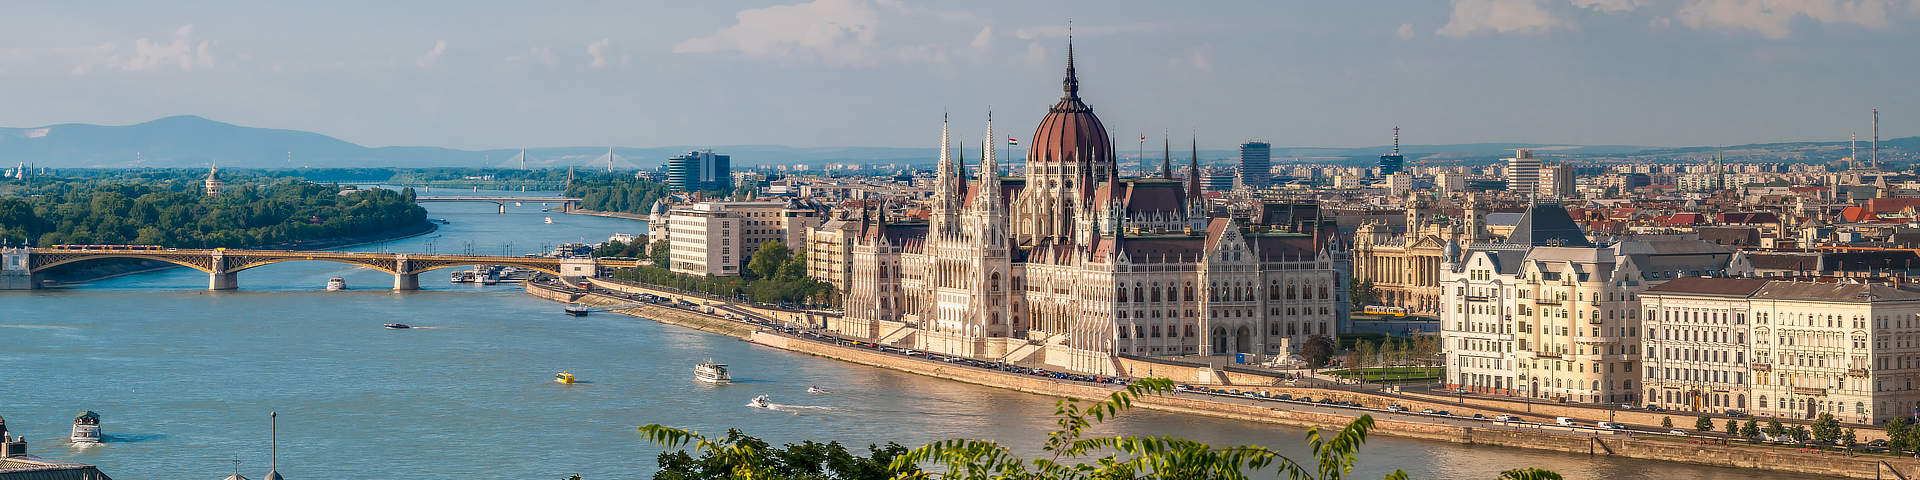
x=1123 y=294
x=1156 y=331
x=1323 y=291
x=1290 y=291
x=1171 y=293
x=1189 y=291
x=1156 y=293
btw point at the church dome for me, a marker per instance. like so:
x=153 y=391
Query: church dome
x=1070 y=132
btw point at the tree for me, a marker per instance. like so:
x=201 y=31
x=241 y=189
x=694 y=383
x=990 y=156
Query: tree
x=1899 y=434
x=1751 y=430
x=1826 y=429
x=1801 y=434
x=1705 y=424
x=1666 y=422
x=1362 y=293
x=1364 y=352
x=1774 y=429
x=765 y=263
x=808 y=459
x=660 y=255
x=1733 y=427
x=1317 y=350
x=1067 y=449
x=1849 y=439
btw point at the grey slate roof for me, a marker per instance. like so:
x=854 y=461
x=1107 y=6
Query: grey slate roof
x=1548 y=224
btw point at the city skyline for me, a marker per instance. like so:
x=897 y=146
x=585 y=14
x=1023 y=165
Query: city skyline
x=803 y=74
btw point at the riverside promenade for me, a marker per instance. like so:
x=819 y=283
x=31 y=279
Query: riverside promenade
x=1308 y=407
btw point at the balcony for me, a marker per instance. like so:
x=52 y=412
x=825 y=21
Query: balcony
x=1546 y=301
x=1762 y=367
x=1856 y=372
x=1547 y=354
x=1476 y=298
x=1810 y=391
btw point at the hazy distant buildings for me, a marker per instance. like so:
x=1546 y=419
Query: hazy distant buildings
x=1256 y=165
x=1523 y=173
x=702 y=170
x=1392 y=163
x=214 y=185
x=1450 y=183
x=1556 y=181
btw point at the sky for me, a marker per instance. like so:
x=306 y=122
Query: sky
x=486 y=74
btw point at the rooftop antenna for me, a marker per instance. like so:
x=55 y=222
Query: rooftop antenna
x=273 y=471
x=1853 y=150
x=1875 y=154
x=1396 y=139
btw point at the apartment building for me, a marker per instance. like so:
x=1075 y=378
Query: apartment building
x=717 y=238
x=1792 y=349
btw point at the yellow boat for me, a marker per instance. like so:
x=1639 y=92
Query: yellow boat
x=563 y=377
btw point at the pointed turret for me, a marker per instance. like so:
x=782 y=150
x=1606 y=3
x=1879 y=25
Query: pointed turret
x=1166 y=158
x=944 y=188
x=1071 y=85
x=1193 y=173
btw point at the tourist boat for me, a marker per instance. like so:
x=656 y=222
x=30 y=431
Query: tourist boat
x=761 y=402
x=86 y=428
x=577 y=310
x=711 y=372
x=336 y=284
x=398 y=326
x=549 y=220
x=563 y=377
x=461 y=277
x=815 y=389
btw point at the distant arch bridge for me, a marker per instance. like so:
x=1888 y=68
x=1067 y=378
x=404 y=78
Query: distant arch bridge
x=566 y=203
x=22 y=268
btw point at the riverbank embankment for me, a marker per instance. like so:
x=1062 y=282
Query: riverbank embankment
x=1408 y=425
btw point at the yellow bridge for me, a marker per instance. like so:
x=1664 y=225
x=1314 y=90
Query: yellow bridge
x=21 y=268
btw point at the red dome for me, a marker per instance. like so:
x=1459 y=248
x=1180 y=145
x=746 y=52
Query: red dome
x=1070 y=132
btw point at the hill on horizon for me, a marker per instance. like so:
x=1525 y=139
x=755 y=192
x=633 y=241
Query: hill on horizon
x=190 y=141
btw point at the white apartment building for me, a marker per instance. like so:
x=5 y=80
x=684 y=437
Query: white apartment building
x=717 y=238
x=1523 y=173
x=1547 y=314
x=1784 y=348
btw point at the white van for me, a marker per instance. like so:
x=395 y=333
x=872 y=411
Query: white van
x=1565 y=421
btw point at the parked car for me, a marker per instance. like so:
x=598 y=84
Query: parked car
x=1564 y=421
x=1396 y=408
x=1611 y=425
x=1428 y=411
x=1736 y=413
x=1504 y=418
x=1677 y=432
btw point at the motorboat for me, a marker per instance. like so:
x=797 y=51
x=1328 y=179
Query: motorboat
x=398 y=326
x=86 y=428
x=815 y=389
x=760 y=402
x=336 y=284
x=712 y=372
x=563 y=377
x=549 y=220
x=577 y=310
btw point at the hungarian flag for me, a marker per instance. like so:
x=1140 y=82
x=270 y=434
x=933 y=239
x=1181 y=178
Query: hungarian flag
x=1013 y=142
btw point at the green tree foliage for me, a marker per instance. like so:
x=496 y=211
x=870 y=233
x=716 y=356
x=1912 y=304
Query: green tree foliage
x=1530 y=474
x=1774 y=429
x=1070 y=453
x=805 y=460
x=617 y=194
x=1801 y=434
x=660 y=255
x=1826 y=429
x=1362 y=293
x=775 y=274
x=176 y=213
x=1751 y=430
x=1317 y=350
x=1704 y=424
x=1666 y=422
x=614 y=248
x=1733 y=427
x=1849 y=438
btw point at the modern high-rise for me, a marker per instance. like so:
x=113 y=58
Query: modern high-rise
x=701 y=170
x=1523 y=173
x=717 y=238
x=1556 y=181
x=1256 y=165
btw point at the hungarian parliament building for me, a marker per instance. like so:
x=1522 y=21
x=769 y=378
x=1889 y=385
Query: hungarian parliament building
x=1073 y=267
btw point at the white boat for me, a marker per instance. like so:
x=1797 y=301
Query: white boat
x=815 y=389
x=549 y=220
x=336 y=284
x=86 y=428
x=761 y=402
x=712 y=372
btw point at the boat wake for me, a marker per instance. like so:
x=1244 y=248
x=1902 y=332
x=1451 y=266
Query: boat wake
x=801 y=408
x=39 y=326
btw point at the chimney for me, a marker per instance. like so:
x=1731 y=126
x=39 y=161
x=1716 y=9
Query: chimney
x=12 y=446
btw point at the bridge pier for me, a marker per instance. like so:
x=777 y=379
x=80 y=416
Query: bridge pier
x=16 y=272
x=503 y=207
x=223 y=281
x=406 y=281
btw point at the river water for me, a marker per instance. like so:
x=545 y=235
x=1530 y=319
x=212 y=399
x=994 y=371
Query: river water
x=184 y=379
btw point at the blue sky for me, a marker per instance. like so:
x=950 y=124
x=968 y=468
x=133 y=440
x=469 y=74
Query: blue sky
x=880 y=72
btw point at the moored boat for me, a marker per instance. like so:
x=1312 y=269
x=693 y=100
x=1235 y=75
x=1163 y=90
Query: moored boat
x=712 y=372
x=336 y=284
x=577 y=310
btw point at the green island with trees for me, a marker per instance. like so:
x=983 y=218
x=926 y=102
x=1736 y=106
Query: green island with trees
x=170 y=207
x=774 y=274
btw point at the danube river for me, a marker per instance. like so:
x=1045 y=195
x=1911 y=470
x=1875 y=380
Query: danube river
x=184 y=378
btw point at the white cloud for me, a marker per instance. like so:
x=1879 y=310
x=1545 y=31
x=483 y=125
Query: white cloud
x=1197 y=58
x=535 y=55
x=1036 y=54
x=181 y=51
x=1774 y=18
x=1405 y=31
x=833 y=32
x=984 y=39
x=598 y=52
x=432 y=57
x=1499 y=16
x=1611 y=6
x=1059 y=31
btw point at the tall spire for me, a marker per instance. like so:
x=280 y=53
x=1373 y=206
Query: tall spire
x=1166 y=157
x=943 y=175
x=1072 y=83
x=989 y=173
x=1193 y=173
